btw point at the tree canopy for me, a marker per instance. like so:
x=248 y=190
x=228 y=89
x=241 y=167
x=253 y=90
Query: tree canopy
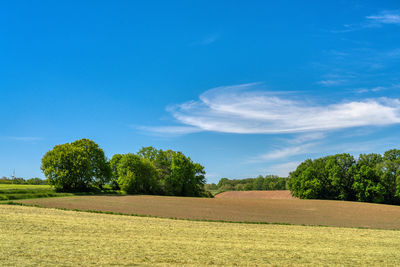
x=268 y=182
x=370 y=178
x=155 y=171
x=76 y=166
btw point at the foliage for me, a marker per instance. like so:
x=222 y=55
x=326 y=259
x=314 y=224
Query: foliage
x=24 y=191
x=31 y=181
x=269 y=182
x=81 y=166
x=76 y=166
x=153 y=171
x=114 y=171
x=370 y=178
x=137 y=175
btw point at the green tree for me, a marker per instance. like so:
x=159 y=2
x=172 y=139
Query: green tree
x=137 y=175
x=390 y=168
x=77 y=166
x=222 y=182
x=340 y=170
x=258 y=183
x=367 y=185
x=186 y=178
x=114 y=170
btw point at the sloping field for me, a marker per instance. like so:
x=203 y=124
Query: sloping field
x=23 y=186
x=48 y=237
x=274 y=194
x=292 y=211
x=23 y=191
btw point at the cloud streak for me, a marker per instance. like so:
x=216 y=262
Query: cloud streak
x=285 y=152
x=169 y=130
x=243 y=109
x=373 y=21
x=331 y=82
x=206 y=40
x=385 y=17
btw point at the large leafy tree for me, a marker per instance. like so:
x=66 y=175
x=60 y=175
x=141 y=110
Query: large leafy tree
x=77 y=166
x=114 y=170
x=137 y=175
x=161 y=159
x=341 y=169
x=186 y=177
x=177 y=174
x=390 y=168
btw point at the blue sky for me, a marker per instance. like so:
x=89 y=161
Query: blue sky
x=244 y=88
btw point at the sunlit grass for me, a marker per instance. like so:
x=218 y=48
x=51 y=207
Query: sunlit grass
x=37 y=236
x=23 y=186
x=25 y=191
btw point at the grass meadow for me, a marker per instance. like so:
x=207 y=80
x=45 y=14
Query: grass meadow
x=36 y=236
x=24 y=191
x=23 y=186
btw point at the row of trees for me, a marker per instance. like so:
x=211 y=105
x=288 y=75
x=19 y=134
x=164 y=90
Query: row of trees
x=153 y=171
x=268 y=182
x=370 y=178
x=82 y=166
x=20 y=180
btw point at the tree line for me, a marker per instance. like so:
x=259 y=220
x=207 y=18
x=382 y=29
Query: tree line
x=369 y=178
x=20 y=180
x=268 y=182
x=82 y=166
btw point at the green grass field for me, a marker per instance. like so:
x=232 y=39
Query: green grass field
x=38 y=236
x=24 y=191
x=23 y=186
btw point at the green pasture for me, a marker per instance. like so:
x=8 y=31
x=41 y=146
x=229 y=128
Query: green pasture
x=23 y=186
x=24 y=191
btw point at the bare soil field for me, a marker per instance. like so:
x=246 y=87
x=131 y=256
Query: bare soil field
x=275 y=194
x=291 y=211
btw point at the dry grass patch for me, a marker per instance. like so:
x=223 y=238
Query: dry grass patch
x=34 y=236
x=292 y=211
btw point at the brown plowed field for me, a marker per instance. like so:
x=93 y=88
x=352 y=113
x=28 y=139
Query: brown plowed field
x=293 y=211
x=276 y=194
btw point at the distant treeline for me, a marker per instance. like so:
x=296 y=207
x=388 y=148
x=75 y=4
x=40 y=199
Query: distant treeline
x=269 y=182
x=18 y=180
x=369 y=178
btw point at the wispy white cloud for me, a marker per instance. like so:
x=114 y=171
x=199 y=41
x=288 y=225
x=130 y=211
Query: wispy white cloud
x=377 y=89
x=385 y=17
x=368 y=90
x=286 y=152
x=244 y=109
x=306 y=137
x=373 y=21
x=169 y=130
x=206 y=40
x=284 y=169
x=331 y=82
